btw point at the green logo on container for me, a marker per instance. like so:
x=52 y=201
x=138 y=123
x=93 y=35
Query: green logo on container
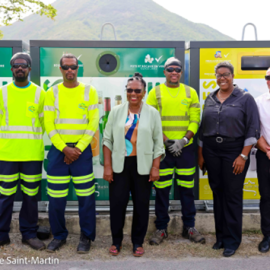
x=184 y=102
x=32 y=109
x=82 y=106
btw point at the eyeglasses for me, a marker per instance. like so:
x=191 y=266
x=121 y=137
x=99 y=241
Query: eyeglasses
x=137 y=91
x=267 y=77
x=225 y=75
x=171 y=69
x=73 y=67
x=22 y=65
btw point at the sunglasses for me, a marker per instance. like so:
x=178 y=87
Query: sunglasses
x=22 y=65
x=137 y=91
x=267 y=77
x=171 y=69
x=73 y=67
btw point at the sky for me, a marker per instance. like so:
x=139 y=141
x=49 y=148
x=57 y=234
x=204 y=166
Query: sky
x=228 y=17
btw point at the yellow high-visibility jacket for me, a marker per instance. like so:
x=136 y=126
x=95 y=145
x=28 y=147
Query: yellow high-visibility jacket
x=22 y=123
x=71 y=115
x=179 y=109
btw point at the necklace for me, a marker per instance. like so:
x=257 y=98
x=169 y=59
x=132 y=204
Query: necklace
x=171 y=94
x=139 y=108
x=221 y=97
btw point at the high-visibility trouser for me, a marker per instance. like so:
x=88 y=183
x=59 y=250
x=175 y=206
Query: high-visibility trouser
x=184 y=169
x=59 y=175
x=30 y=177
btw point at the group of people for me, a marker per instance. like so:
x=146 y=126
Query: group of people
x=144 y=143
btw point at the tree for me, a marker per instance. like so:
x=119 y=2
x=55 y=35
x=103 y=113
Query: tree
x=13 y=10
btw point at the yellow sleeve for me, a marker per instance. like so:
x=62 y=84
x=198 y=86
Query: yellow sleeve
x=194 y=112
x=41 y=109
x=151 y=99
x=49 y=117
x=93 y=116
x=1 y=106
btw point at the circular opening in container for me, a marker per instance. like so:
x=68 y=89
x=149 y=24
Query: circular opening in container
x=108 y=63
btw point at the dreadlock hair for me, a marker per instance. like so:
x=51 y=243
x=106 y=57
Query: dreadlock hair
x=138 y=77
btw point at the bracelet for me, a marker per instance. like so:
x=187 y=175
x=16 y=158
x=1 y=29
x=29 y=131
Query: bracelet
x=155 y=168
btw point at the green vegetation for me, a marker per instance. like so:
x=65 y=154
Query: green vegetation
x=13 y=10
x=133 y=20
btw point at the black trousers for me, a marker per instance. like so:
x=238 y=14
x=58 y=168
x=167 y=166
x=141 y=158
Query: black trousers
x=123 y=183
x=227 y=189
x=263 y=172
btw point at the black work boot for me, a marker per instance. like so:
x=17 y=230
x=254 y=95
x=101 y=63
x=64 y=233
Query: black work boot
x=55 y=244
x=34 y=243
x=84 y=244
x=4 y=242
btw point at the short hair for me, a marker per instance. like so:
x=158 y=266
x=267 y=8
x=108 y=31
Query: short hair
x=68 y=55
x=138 y=77
x=225 y=64
x=21 y=55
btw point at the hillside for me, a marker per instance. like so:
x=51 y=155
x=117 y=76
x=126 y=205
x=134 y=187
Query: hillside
x=133 y=20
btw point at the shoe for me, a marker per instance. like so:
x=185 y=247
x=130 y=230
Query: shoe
x=264 y=245
x=193 y=235
x=34 y=243
x=218 y=245
x=228 y=252
x=4 y=242
x=84 y=244
x=55 y=244
x=158 y=237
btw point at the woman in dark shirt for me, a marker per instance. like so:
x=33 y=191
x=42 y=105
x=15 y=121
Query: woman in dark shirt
x=229 y=129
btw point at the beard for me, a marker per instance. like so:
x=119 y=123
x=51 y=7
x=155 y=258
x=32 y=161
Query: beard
x=173 y=83
x=71 y=78
x=20 y=78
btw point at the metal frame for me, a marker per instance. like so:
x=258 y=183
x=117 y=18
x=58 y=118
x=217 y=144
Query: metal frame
x=194 y=48
x=35 y=46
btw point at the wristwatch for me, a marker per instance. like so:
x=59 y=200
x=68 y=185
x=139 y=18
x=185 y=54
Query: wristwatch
x=186 y=139
x=244 y=157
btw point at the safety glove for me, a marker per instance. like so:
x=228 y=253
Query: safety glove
x=176 y=148
x=168 y=143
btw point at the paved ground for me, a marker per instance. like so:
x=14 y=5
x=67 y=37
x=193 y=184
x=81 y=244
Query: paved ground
x=174 y=253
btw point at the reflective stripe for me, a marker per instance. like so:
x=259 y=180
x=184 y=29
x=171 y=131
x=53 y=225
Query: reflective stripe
x=31 y=178
x=85 y=192
x=175 y=118
x=48 y=108
x=8 y=191
x=165 y=172
x=83 y=179
x=71 y=131
x=52 y=133
x=89 y=132
x=5 y=100
x=9 y=178
x=71 y=121
x=57 y=193
x=186 y=171
x=86 y=92
x=56 y=101
x=58 y=179
x=29 y=192
x=21 y=128
x=21 y=136
x=195 y=105
x=163 y=184
x=158 y=97
x=187 y=88
x=37 y=94
x=1 y=112
x=174 y=128
x=92 y=107
x=41 y=115
x=196 y=122
x=187 y=184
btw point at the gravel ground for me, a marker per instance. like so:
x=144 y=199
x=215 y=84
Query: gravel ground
x=174 y=247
